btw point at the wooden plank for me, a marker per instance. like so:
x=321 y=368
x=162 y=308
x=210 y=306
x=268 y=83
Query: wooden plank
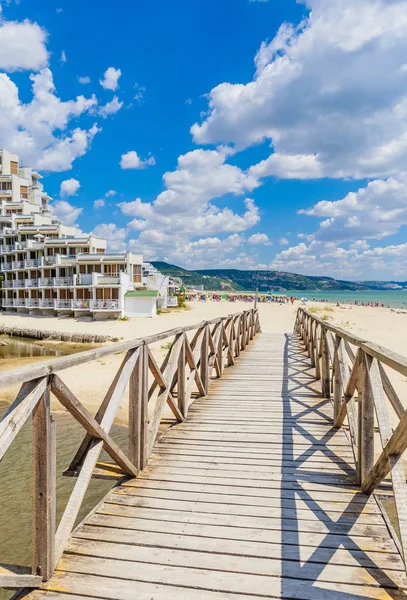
x=13 y=576
x=181 y=381
x=83 y=416
x=72 y=508
x=44 y=468
x=204 y=363
x=17 y=414
x=138 y=408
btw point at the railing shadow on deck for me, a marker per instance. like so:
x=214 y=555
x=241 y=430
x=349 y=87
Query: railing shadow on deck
x=195 y=354
x=310 y=570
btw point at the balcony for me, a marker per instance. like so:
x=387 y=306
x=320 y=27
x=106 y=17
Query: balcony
x=46 y=282
x=63 y=281
x=19 y=302
x=30 y=283
x=7 y=284
x=63 y=304
x=33 y=302
x=17 y=264
x=81 y=304
x=6 y=266
x=107 y=305
x=107 y=279
x=18 y=283
x=47 y=303
x=8 y=302
x=32 y=263
x=6 y=248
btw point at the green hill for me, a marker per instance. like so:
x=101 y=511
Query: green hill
x=275 y=281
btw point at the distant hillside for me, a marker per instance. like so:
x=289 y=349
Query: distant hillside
x=277 y=281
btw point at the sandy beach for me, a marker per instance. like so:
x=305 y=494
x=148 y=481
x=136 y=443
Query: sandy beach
x=91 y=380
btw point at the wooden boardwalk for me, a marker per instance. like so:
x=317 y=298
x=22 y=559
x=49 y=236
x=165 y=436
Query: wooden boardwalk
x=254 y=496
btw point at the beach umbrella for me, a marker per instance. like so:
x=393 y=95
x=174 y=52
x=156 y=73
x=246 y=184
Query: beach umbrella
x=304 y=299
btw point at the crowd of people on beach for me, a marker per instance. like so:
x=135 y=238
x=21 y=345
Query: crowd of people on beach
x=274 y=298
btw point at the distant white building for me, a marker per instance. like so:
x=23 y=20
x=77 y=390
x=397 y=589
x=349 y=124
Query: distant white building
x=50 y=268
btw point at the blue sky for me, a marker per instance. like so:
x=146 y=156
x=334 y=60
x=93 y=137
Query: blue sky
x=234 y=133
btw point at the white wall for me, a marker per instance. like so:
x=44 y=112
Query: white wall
x=140 y=306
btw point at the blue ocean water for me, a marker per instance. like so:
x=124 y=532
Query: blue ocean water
x=392 y=298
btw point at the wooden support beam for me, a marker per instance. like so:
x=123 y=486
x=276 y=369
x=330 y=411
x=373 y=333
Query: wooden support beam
x=366 y=424
x=44 y=468
x=181 y=385
x=83 y=416
x=17 y=414
x=205 y=360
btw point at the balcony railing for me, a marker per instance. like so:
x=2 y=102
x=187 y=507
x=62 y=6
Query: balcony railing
x=7 y=284
x=18 y=264
x=6 y=266
x=63 y=281
x=104 y=305
x=46 y=282
x=33 y=302
x=63 y=304
x=6 y=248
x=47 y=303
x=7 y=302
x=19 y=301
x=18 y=283
x=30 y=283
x=32 y=263
x=80 y=304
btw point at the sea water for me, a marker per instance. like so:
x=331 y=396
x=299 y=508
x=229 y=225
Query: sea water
x=391 y=298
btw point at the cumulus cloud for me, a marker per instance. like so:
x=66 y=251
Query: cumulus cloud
x=110 y=193
x=114 y=235
x=359 y=261
x=66 y=212
x=283 y=241
x=110 y=108
x=98 y=204
x=260 y=239
x=33 y=129
x=375 y=211
x=69 y=187
x=84 y=80
x=131 y=160
x=186 y=205
x=22 y=46
x=110 y=79
x=316 y=99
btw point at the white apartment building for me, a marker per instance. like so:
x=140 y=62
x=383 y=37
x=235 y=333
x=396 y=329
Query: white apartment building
x=50 y=268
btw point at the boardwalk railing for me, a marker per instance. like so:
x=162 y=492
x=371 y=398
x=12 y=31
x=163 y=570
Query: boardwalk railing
x=192 y=360
x=353 y=374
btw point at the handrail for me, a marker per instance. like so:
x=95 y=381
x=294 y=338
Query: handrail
x=349 y=367
x=184 y=375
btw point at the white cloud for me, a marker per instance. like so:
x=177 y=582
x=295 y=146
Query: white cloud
x=375 y=211
x=84 y=80
x=38 y=130
x=131 y=160
x=137 y=224
x=114 y=235
x=66 y=212
x=316 y=98
x=110 y=193
x=110 y=79
x=139 y=93
x=98 y=204
x=357 y=262
x=69 y=187
x=22 y=46
x=63 y=58
x=259 y=238
x=283 y=241
x=110 y=108
x=186 y=205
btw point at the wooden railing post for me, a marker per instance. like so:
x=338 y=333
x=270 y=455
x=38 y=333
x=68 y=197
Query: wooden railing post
x=181 y=383
x=138 y=410
x=365 y=421
x=44 y=455
x=205 y=359
x=337 y=378
x=325 y=369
